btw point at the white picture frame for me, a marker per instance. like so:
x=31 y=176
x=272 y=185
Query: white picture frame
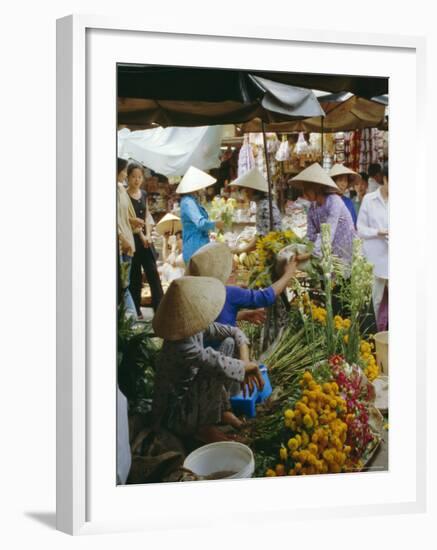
x=76 y=236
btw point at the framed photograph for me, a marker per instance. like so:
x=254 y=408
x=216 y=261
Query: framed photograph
x=226 y=320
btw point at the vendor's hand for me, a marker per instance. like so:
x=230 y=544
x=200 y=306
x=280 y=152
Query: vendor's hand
x=136 y=223
x=382 y=232
x=303 y=257
x=145 y=241
x=219 y=225
x=255 y=316
x=125 y=246
x=252 y=378
x=291 y=268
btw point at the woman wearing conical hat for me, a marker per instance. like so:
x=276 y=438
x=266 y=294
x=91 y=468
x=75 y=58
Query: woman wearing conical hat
x=189 y=396
x=326 y=207
x=196 y=224
x=342 y=175
x=256 y=188
x=215 y=260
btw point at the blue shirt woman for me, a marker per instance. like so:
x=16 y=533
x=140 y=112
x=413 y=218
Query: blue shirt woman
x=196 y=226
x=242 y=298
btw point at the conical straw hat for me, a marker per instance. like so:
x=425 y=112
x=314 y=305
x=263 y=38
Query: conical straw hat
x=169 y=224
x=315 y=174
x=341 y=170
x=252 y=179
x=188 y=307
x=212 y=260
x=194 y=180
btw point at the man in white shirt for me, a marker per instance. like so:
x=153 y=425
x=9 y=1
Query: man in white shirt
x=375 y=177
x=372 y=227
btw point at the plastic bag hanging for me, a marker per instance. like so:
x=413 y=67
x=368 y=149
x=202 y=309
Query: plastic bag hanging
x=301 y=145
x=283 y=153
x=246 y=160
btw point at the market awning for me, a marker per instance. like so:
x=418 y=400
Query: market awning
x=215 y=85
x=261 y=98
x=353 y=114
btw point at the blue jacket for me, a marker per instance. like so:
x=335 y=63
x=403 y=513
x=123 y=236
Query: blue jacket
x=196 y=226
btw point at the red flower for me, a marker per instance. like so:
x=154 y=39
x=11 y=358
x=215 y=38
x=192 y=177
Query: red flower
x=336 y=360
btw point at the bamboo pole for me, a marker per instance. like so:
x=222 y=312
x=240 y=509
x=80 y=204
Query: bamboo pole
x=269 y=179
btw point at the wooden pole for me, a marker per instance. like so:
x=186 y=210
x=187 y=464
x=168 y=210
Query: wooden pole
x=269 y=179
x=321 y=127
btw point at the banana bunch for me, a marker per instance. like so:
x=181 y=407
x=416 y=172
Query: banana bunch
x=246 y=260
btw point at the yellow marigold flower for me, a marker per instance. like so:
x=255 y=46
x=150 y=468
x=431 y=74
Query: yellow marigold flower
x=327 y=455
x=305 y=439
x=313 y=448
x=346 y=338
x=270 y=473
x=280 y=469
x=283 y=454
x=292 y=472
x=308 y=421
x=346 y=323
x=292 y=444
x=307 y=376
x=289 y=414
x=298 y=466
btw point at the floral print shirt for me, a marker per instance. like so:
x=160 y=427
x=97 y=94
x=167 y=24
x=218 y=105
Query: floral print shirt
x=263 y=218
x=334 y=212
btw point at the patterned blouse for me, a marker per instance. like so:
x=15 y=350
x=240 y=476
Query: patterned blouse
x=334 y=212
x=180 y=362
x=263 y=217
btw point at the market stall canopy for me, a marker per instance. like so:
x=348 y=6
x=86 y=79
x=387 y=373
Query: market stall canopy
x=171 y=151
x=216 y=85
x=260 y=98
x=353 y=114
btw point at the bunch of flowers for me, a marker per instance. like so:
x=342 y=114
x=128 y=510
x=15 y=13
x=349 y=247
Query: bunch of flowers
x=361 y=282
x=358 y=393
x=223 y=209
x=266 y=250
x=318 y=432
x=368 y=359
x=318 y=313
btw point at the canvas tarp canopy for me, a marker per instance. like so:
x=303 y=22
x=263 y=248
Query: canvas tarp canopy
x=171 y=151
x=216 y=85
x=353 y=114
x=264 y=99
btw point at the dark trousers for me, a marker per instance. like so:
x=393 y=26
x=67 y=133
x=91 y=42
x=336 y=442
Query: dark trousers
x=143 y=258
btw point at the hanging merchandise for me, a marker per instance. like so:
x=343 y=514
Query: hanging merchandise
x=246 y=159
x=283 y=153
x=328 y=161
x=273 y=143
x=315 y=146
x=385 y=145
x=340 y=148
x=301 y=148
x=256 y=140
